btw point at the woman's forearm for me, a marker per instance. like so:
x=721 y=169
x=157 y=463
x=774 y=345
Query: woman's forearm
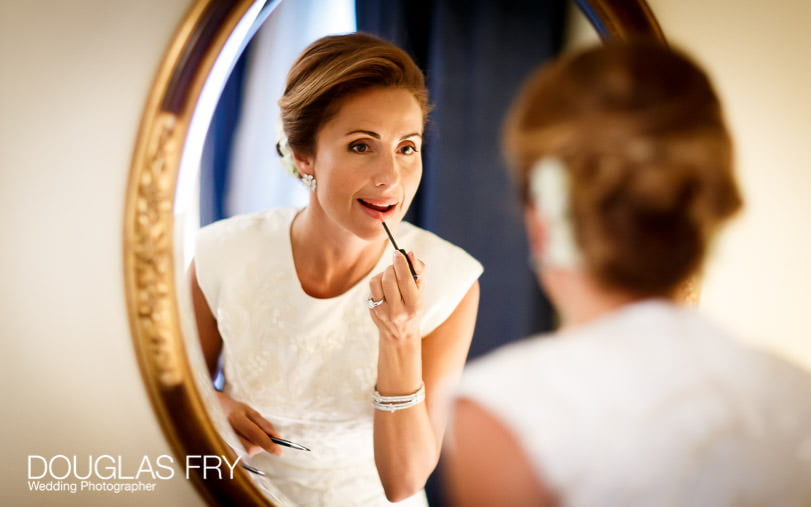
x=405 y=442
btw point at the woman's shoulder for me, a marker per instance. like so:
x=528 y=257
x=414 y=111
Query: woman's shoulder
x=648 y=340
x=241 y=239
x=248 y=240
x=431 y=248
x=618 y=354
x=248 y=224
x=515 y=364
x=645 y=376
x=450 y=272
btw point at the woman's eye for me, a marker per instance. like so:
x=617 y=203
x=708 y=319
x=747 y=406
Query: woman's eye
x=359 y=147
x=408 y=150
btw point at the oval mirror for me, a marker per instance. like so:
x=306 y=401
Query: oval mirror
x=162 y=213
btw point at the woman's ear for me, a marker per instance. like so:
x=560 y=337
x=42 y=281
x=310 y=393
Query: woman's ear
x=304 y=163
x=536 y=230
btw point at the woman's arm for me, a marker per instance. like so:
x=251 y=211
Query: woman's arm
x=207 y=331
x=407 y=442
x=251 y=428
x=485 y=465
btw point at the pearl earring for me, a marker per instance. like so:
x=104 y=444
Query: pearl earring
x=309 y=181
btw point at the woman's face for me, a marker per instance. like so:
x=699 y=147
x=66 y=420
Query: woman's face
x=367 y=161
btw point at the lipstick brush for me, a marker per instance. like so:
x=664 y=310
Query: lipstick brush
x=402 y=251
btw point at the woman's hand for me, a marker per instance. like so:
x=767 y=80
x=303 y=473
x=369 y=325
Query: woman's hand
x=399 y=316
x=253 y=430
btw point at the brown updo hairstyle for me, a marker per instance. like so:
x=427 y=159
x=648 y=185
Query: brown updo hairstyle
x=641 y=133
x=335 y=67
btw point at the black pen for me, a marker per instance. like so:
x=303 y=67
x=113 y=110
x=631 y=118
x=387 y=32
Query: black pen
x=280 y=441
x=288 y=443
x=254 y=470
x=402 y=251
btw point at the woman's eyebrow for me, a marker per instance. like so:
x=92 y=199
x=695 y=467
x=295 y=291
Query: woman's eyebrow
x=367 y=132
x=371 y=133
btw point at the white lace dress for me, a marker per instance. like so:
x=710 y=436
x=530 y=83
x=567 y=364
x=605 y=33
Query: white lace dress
x=309 y=365
x=653 y=406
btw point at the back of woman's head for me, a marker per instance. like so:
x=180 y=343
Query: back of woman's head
x=335 y=67
x=640 y=132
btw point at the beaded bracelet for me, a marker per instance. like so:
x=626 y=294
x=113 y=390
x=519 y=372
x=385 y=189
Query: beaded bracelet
x=395 y=403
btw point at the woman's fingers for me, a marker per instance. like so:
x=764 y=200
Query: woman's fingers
x=419 y=266
x=392 y=290
x=376 y=294
x=398 y=316
x=251 y=448
x=397 y=285
x=376 y=287
x=263 y=423
x=249 y=430
x=253 y=430
x=408 y=287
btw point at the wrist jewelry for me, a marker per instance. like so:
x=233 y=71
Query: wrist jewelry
x=395 y=403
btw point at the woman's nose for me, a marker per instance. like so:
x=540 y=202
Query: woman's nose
x=387 y=173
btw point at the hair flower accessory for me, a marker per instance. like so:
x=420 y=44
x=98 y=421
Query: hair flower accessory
x=550 y=189
x=285 y=153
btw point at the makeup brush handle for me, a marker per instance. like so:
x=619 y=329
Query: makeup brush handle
x=410 y=266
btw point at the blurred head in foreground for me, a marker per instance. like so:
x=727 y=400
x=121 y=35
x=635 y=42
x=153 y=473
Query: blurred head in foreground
x=624 y=164
x=624 y=167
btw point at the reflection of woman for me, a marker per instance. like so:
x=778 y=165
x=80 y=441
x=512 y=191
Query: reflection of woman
x=624 y=164
x=284 y=294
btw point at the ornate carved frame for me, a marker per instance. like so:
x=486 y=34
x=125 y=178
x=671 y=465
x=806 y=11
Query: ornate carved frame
x=149 y=262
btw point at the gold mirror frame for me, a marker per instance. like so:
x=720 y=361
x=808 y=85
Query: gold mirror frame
x=149 y=261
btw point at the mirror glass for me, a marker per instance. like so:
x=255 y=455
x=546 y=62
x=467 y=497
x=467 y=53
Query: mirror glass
x=230 y=166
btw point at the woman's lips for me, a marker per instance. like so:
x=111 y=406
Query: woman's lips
x=378 y=208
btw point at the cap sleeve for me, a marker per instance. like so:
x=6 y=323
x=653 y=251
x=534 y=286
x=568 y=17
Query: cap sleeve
x=449 y=273
x=209 y=260
x=236 y=241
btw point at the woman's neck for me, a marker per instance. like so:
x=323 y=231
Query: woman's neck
x=329 y=260
x=580 y=299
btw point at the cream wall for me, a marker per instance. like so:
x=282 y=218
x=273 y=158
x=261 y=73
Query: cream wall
x=759 y=54
x=74 y=77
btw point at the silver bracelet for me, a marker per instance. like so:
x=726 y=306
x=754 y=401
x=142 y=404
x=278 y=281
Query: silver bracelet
x=395 y=403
